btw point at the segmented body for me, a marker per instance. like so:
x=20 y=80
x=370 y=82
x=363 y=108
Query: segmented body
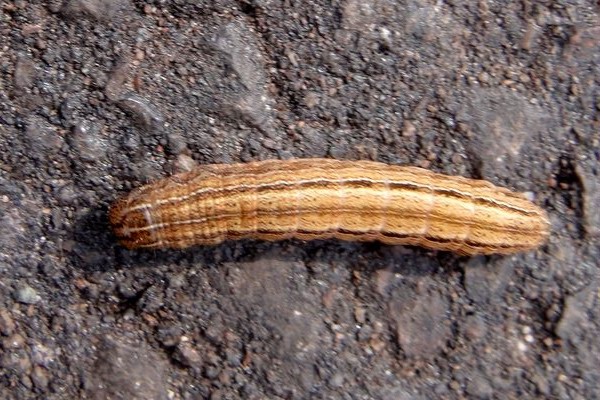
x=319 y=198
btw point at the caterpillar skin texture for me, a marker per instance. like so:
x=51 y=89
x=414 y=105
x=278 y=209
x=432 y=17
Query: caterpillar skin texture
x=319 y=199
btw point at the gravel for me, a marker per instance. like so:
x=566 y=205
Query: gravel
x=98 y=97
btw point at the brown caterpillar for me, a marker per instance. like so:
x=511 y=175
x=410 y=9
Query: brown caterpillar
x=319 y=198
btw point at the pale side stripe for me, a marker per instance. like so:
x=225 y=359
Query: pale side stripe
x=158 y=226
x=288 y=183
x=343 y=181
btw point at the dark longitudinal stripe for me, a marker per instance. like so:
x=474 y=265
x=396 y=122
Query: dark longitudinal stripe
x=435 y=190
x=480 y=201
x=354 y=183
x=215 y=193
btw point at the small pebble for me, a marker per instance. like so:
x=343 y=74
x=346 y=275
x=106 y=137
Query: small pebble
x=15 y=341
x=24 y=74
x=39 y=376
x=336 y=381
x=143 y=111
x=7 y=325
x=360 y=315
x=409 y=129
x=27 y=295
x=176 y=143
x=187 y=355
x=184 y=163
x=86 y=139
x=311 y=99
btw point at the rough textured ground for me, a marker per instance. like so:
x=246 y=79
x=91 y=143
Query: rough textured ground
x=100 y=96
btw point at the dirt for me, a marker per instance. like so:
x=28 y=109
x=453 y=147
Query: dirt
x=100 y=96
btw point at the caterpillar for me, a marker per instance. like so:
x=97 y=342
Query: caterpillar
x=320 y=198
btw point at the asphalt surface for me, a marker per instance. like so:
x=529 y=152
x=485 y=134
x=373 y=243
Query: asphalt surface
x=101 y=96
